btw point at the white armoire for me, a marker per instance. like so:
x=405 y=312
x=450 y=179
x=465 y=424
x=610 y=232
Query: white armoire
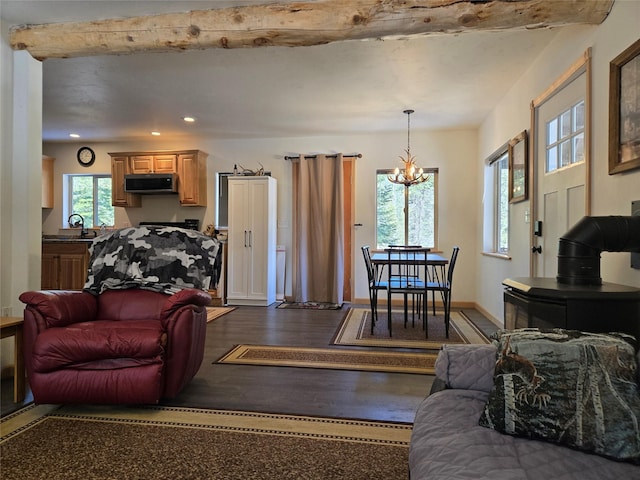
x=251 y=267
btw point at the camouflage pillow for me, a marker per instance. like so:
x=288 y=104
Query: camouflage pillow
x=573 y=388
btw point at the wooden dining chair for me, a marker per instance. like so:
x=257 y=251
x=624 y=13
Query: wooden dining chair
x=375 y=285
x=407 y=280
x=444 y=286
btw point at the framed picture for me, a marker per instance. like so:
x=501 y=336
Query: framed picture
x=518 y=168
x=624 y=110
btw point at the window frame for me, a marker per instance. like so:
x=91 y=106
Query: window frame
x=498 y=157
x=434 y=172
x=68 y=197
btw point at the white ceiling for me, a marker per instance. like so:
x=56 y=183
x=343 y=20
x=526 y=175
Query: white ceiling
x=340 y=88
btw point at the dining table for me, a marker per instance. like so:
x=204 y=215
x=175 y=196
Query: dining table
x=435 y=261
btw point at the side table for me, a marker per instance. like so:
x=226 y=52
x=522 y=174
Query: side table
x=12 y=327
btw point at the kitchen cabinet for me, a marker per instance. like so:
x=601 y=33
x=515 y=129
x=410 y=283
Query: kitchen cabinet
x=251 y=268
x=154 y=163
x=119 y=198
x=47 y=181
x=64 y=265
x=192 y=177
x=190 y=166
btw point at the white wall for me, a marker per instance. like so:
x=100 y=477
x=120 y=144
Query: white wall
x=611 y=195
x=20 y=178
x=6 y=134
x=453 y=152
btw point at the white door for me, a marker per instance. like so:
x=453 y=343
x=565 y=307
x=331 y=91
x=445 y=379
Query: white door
x=560 y=168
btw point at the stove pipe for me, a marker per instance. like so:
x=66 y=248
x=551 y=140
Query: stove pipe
x=579 y=249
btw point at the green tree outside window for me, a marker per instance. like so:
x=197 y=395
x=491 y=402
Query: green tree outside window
x=390 y=215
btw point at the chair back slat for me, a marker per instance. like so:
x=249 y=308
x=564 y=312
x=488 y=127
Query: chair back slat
x=452 y=264
x=366 y=252
x=411 y=272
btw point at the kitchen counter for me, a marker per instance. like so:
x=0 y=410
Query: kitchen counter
x=65 y=239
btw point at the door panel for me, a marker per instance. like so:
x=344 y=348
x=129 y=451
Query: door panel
x=258 y=233
x=575 y=204
x=237 y=256
x=549 y=231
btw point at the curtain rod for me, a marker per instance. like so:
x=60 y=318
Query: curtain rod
x=354 y=155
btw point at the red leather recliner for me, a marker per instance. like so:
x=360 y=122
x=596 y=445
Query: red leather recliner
x=128 y=346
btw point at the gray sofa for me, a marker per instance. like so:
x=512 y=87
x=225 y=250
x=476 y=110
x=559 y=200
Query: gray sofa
x=447 y=442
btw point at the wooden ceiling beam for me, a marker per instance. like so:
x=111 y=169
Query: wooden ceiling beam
x=298 y=24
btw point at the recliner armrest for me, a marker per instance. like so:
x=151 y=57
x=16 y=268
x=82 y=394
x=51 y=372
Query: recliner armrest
x=190 y=296
x=61 y=307
x=469 y=367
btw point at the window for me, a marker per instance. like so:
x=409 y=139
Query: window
x=390 y=216
x=496 y=238
x=565 y=138
x=501 y=234
x=89 y=196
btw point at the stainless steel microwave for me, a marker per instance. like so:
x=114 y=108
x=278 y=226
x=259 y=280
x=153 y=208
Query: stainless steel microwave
x=151 y=183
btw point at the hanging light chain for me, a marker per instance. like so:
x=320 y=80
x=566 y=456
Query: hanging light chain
x=408 y=112
x=411 y=174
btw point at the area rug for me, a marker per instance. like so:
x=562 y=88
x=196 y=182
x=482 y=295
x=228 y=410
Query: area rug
x=355 y=330
x=217 y=312
x=311 y=305
x=144 y=443
x=331 y=358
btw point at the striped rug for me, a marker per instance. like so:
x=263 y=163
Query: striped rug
x=217 y=312
x=331 y=358
x=48 y=442
x=355 y=330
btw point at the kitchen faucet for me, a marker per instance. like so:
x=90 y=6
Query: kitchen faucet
x=78 y=223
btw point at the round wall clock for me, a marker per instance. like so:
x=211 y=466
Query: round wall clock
x=86 y=156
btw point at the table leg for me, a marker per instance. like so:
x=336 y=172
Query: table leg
x=18 y=367
x=389 y=312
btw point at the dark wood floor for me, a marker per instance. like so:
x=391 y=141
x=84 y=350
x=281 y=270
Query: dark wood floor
x=300 y=391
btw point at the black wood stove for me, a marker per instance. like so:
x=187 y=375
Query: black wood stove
x=577 y=298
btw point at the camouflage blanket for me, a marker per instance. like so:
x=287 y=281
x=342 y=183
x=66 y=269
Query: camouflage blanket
x=161 y=259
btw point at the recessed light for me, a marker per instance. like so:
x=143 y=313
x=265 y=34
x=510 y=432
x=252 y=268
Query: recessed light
x=74 y=135
x=189 y=119
x=155 y=134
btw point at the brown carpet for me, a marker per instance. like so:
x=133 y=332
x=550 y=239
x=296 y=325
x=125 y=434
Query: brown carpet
x=355 y=330
x=157 y=443
x=331 y=358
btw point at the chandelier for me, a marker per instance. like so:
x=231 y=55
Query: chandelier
x=411 y=174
